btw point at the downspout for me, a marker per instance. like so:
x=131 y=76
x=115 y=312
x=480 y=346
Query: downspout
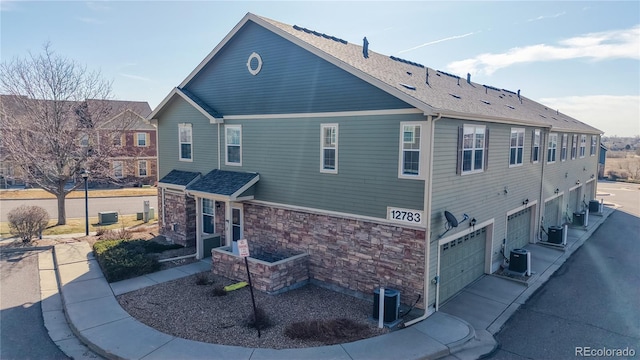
x=431 y=122
x=218 y=145
x=542 y=204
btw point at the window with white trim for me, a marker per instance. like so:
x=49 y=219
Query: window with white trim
x=473 y=149
x=185 y=140
x=574 y=146
x=233 y=145
x=141 y=139
x=118 y=169
x=594 y=143
x=84 y=140
x=208 y=216
x=410 y=150
x=329 y=148
x=552 y=147
x=117 y=140
x=143 y=168
x=516 y=147
x=535 y=150
x=563 y=148
x=583 y=145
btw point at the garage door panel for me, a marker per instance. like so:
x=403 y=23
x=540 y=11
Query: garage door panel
x=552 y=212
x=461 y=262
x=519 y=229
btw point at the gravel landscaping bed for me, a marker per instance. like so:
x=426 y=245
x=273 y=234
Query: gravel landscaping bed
x=184 y=309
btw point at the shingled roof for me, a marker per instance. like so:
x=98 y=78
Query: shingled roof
x=435 y=92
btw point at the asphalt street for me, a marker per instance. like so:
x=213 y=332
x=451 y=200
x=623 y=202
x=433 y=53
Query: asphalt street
x=22 y=331
x=75 y=207
x=592 y=300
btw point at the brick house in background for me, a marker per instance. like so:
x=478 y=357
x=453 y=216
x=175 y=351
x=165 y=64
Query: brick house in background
x=134 y=156
x=299 y=141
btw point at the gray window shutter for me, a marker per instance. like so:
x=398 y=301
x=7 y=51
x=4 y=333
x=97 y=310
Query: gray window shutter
x=459 y=158
x=486 y=149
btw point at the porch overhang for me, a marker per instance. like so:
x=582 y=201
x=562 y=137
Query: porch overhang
x=178 y=180
x=226 y=186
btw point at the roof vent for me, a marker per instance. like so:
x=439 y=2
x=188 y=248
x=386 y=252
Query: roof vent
x=365 y=48
x=427 y=76
x=486 y=102
x=409 y=86
x=406 y=61
x=468 y=78
x=455 y=96
x=308 y=31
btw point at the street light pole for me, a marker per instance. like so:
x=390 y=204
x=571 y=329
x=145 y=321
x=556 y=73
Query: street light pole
x=85 y=176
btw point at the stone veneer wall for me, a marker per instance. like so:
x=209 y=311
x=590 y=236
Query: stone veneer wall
x=181 y=211
x=355 y=255
x=272 y=278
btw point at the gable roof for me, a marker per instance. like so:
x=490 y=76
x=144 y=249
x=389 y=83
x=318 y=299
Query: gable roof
x=178 y=179
x=226 y=185
x=432 y=91
x=201 y=106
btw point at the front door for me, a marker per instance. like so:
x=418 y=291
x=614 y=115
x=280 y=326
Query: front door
x=236 y=223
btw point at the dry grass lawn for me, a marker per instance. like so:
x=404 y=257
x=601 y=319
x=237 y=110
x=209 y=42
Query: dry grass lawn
x=41 y=194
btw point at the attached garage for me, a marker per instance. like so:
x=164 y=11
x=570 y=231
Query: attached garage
x=552 y=212
x=573 y=201
x=519 y=229
x=461 y=262
x=589 y=191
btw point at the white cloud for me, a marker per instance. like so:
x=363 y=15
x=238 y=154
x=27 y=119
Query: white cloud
x=8 y=5
x=437 y=41
x=135 y=77
x=615 y=115
x=614 y=44
x=542 y=17
x=98 y=6
x=90 y=20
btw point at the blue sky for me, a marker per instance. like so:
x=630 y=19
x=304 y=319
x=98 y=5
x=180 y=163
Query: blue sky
x=582 y=58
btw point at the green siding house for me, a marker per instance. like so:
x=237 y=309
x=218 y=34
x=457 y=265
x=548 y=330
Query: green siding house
x=299 y=141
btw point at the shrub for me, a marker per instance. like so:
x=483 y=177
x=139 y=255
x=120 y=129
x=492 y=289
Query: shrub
x=202 y=279
x=219 y=291
x=332 y=331
x=27 y=222
x=615 y=175
x=123 y=259
x=114 y=234
x=258 y=319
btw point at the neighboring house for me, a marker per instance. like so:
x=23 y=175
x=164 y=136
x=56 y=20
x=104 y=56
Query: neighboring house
x=133 y=159
x=602 y=161
x=300 y=141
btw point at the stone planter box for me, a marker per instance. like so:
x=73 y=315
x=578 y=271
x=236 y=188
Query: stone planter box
x=271 y=277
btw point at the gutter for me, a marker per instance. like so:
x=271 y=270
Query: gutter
x=427 y=211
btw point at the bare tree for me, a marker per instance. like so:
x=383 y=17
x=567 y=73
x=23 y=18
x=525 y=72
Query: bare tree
x=52 y=117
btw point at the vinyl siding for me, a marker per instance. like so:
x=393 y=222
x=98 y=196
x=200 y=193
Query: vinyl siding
x=286 y=154
x=292 y=80
x=204 y=139
x=480 y=195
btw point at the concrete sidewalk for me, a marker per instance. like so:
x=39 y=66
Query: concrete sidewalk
x=79 y=308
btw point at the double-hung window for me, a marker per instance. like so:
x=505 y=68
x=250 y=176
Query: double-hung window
x=233 y=145
x=516 y=147
x=410 y=150
x=535 y=147
x=329 y=148
x=472 y=149
x=583 y=145
x=552 y=147
x=574 y=146
x=185 y=138
x=594 y=142
x=118 y=169
x=563 y=149
x=141 y=139
x=208 y=216
x=142 y=168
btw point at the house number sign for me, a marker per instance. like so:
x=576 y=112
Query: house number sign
x=409 y=216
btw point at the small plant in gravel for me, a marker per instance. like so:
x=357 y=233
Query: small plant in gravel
x=332 y=331
x=258 y=319
x=202 y=279
x=219 y=291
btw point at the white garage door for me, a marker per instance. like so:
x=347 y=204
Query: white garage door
x=552 y=212
x=461 y=262
x=518 y=229
x=573 y=202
